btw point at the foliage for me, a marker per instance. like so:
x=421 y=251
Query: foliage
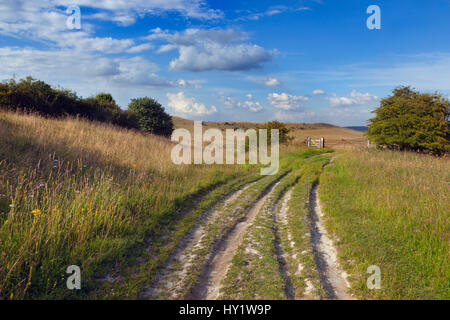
x=151 y=116
x=409 y=120
x=39 y=97
x=283 y=131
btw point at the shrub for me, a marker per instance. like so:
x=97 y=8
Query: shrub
x=283 y=131
x=39 y=97
x=409 y=120
x=151 y=116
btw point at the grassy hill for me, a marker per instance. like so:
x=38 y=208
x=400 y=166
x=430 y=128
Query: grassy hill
x=83 y=193
x=335 y=137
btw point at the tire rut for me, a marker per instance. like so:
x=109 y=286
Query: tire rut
x=171 y=277
x=331 y=275
x=208 y=286
x=278 y=216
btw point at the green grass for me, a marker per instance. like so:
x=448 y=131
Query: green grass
x=391 y=209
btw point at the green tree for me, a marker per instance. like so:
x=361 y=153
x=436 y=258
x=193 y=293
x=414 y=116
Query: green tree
x=283 y=131
x=410 y=120
x=151 y=116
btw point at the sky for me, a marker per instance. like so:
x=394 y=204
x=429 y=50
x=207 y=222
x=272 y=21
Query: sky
x=215 y=60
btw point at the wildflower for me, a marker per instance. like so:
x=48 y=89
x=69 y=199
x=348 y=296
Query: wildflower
x=36 y=212
x=134 y=165
x=11 y=296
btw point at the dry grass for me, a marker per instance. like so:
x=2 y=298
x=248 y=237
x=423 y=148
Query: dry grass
x=74 y=192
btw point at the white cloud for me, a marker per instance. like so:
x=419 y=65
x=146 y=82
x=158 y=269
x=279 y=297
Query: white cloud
x=140 y=48
x=355 y=98
x=286 y=101
x=272 y=82
x=214 y=49
x=249 y=103
x=188 y=106
x=318 y=92
x=64 y=65
x=126 y=11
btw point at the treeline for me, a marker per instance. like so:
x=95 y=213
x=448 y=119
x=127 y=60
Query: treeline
x=36 y=96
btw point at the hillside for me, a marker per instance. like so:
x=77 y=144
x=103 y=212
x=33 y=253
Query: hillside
x=335 y=137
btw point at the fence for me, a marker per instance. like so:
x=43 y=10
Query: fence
x=315 y=143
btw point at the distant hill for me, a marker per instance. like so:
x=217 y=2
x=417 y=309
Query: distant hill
x=335 y=137
x=361 y=128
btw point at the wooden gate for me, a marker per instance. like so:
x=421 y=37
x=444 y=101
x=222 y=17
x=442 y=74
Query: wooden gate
x=315 y=143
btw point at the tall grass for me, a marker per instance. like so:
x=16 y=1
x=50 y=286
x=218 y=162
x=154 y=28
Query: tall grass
x=77 y=193
x=391 y=209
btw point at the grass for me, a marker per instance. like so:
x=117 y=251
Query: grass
x=74 y=192
x=391 y=209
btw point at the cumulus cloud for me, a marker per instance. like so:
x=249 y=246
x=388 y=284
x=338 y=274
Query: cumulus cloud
x=213 y=49
x=286 y=101
x=248 y=103
x=272 y=82
x=355 y=98
x=188 y=106
x=318 y=92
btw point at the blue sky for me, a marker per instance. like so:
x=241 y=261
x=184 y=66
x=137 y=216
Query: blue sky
x=299 y=61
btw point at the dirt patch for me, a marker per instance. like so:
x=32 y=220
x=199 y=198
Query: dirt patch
x=333 y=279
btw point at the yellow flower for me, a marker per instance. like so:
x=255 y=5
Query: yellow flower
x=36 y=212
x=11 y=296
x=134 y=165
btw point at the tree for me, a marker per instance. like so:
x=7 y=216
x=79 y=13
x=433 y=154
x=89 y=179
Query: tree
x=283 y=131
x=409 y=120
x=151 y=116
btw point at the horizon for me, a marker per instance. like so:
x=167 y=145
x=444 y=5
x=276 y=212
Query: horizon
x=312 y=61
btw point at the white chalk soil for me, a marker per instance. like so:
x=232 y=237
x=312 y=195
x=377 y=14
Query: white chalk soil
x=333 y=278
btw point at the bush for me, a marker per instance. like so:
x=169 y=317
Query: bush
x=283 y=131
x=151 y=116
x=37 y=96
x=409 y=120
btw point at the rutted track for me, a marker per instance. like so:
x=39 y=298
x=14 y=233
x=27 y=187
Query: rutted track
x=255 y=224
x=217 y=266
x=170 y=279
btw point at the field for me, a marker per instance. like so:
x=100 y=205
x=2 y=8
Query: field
x=109 y=200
